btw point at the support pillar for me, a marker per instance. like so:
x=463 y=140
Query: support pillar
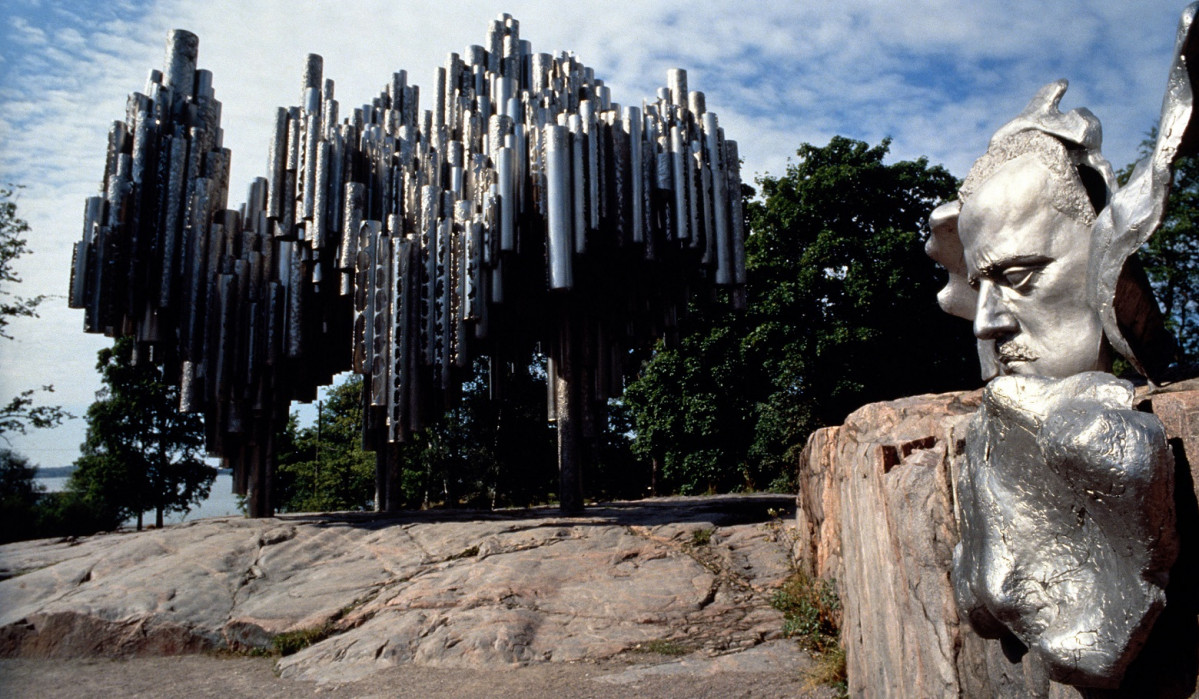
x=569 y=409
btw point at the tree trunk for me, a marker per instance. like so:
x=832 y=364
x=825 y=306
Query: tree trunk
x=655 y=467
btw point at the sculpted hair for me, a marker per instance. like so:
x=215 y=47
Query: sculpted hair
x=1069 y=195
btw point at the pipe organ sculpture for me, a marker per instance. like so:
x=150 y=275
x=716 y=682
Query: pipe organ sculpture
x=522 y=206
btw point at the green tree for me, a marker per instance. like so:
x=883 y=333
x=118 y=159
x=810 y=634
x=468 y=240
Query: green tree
x=324 y=467
x=140 y=453
x=12 y=246
x=841 y=312
x=693 y=408
x=481 y=450
x=21 y=412
x=19 y=495
x=1171 y=256
x=21 y=502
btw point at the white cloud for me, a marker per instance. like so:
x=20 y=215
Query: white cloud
x=936 y=76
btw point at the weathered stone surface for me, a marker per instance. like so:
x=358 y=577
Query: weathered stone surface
x=875 y=501
x=876 y=511
x=440 y=589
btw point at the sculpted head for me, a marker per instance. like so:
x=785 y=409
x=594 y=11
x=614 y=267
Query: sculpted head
x=1018 y=244
x=1025 y=226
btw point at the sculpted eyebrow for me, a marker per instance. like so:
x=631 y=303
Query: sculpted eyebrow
x=994 y=269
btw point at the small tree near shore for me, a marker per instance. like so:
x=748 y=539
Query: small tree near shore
x=141 y=453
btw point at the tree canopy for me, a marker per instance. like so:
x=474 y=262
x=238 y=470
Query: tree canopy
x=1171 y=256
x=484 y=450
x=21 y=412
x=324 y=467
x=141 y=454
x=841 y=312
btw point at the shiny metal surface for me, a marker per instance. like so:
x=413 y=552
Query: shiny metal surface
x=1067 y=523
x=519 y=177
x=1065 y=498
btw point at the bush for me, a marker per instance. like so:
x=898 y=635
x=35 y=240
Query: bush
x=812 y=615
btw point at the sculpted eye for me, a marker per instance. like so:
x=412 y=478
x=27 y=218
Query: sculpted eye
x=1021 y=278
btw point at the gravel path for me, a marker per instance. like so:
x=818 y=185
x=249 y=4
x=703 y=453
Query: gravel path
x=225 y=677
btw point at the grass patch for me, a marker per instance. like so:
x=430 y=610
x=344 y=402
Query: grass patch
x=812 y=616
x=701 y=537
x=290 y=642
x=661 y=646
x=830 y=670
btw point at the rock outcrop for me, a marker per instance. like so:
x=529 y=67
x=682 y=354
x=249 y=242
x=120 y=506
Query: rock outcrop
x=442 y=589
x=876 y=512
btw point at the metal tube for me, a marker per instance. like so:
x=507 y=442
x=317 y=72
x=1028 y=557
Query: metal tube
x=736 y=212
x=400 y=367
x=705 y=207
x=578 y=186
x=558 y=216
x=428 y=250
x=676 y=79
x=680 y=167
x=633 y=123
x=320 y=195
x=277 y=165
x=311 y=141
x=379 y=340
x=351 y=220
x=294 y=343
x=182 y=49
x=173 y=219
x=720 y=200
x=507 y=194
x=442 y=304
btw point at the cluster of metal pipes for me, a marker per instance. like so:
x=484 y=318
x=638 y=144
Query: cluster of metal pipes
x=523 y=209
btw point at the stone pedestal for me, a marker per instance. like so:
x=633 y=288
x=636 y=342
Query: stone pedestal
x=876 y=512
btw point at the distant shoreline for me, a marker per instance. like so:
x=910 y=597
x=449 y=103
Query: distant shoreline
x=66 y=471
x=54 y=471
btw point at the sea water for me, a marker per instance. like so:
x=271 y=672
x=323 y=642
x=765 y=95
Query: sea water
x=221 y=502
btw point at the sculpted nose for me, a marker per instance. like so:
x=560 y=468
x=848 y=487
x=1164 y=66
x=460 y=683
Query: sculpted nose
x=991 y=318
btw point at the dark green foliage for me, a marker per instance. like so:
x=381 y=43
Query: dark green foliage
x=19 y=496
x=290 y=642
x=841 y=312
x=12 y=245
x=812 y=616
x=324 y=467
x=141 y=454
x=811 y=611
x=1171 y=256
x=693 y=413
x=514 y=427
x=482 y=452
x=26 y=512
x=617 y=473
x=22 y=506
x=20 y=413
x=844 y=298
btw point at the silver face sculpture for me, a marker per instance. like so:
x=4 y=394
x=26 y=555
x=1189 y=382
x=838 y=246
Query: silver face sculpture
x=1026 y=232
x=1065 y=497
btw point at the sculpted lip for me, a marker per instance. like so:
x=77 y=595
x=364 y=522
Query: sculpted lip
x=1010 y=352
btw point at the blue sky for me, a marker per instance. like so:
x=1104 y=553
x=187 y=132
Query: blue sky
x=935 y=76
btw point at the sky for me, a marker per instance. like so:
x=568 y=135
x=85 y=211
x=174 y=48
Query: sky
x=937 y=77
